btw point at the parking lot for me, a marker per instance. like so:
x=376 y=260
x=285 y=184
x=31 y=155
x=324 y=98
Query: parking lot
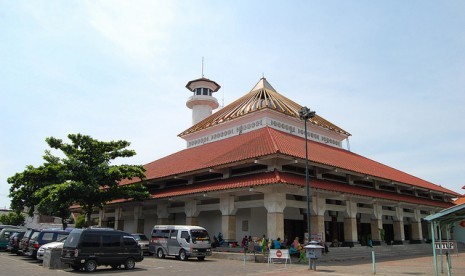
x=11 y=264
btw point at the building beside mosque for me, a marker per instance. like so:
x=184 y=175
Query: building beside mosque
x=243 y=173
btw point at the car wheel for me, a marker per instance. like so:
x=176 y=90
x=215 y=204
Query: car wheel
x=160 y=253
x=90 y=266
x=130 y=263
x=182 y=255
x=201 y=258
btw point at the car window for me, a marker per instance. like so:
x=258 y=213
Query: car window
x=184 y=235
x=47 y=237
x=91 y=240
x=173 y=234
x=34 y=236
x=200 y=235
x=61 y=236
x=72 y=240
x=111 y=241
x=161 y=234
x=140 y=237
x=128 y=241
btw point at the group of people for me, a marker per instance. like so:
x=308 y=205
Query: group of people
x=295 y=248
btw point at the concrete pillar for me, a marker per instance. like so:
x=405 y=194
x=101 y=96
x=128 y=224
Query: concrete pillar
x=399 y=233
x=162 y=213
x=376 y=228
x=317 y=225
x=350 y=224
x=417 y=234
x=192 y=221
x=119 y=222
x=228 y=218
x=275 y=202
x=101 y=218
x=275 y=225
x=228 y=227
x=377 y=225
x=139 y=219
x=317 y=215
x=417 y=231
x=192 y=212
x=350 y=231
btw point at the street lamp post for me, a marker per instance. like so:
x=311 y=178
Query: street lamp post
x=305 y=113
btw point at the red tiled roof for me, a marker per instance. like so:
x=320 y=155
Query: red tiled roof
x=460 y=200
x=271 y=178
x=268 y=141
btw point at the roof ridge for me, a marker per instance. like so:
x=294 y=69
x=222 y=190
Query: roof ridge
x=273 y=140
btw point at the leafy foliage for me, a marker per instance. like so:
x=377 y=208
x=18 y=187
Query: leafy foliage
x=12 y=218
x=84 y=176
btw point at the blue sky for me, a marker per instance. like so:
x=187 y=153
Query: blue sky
x=392 y=73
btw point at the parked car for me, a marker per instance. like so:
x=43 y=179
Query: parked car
x=13 y=245
x=143 y=242
x=40 y=238
x=9 y=226
x=5 y=234
x=24 y=242
x=88 y=248
x=48 y=246
x=181 y=241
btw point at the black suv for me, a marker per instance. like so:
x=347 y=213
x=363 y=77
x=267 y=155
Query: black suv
x=88 y=248
x=40 y=238
x=24 y=242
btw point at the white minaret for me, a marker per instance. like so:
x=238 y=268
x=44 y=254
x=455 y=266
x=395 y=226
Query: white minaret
x=202 y=102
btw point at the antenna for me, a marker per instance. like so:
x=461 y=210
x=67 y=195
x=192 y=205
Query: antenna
x=202 y=67
x=222 y=100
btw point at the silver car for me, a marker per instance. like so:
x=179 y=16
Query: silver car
x=48 y=246
x=143 y=242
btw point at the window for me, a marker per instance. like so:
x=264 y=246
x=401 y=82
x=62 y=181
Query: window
x=129 y=241
x=199 y=235
x=91 y=240
x=111 y=240
x=198 y=91
x=205 y=91
x=184 y=235
x=161 y=234
x=61 y=236
x=47 y=237
x=173 y=234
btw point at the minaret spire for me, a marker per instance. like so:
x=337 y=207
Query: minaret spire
x=202 y=102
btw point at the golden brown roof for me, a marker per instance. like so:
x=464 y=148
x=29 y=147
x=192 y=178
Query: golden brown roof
x=262 y=96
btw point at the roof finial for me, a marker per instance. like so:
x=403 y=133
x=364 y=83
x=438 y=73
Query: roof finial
x=202 y=67
x=263 y=75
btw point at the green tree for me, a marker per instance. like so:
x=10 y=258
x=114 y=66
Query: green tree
x=84 y=176
x=12 y=218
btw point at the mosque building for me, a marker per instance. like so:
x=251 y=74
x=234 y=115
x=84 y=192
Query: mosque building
x=243 y=172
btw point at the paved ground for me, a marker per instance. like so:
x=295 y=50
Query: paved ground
x=19 y=266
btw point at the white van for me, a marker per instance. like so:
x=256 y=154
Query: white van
x=181 y=241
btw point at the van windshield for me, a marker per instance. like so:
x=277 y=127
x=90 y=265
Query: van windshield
x=72 y=239
x=200 y=235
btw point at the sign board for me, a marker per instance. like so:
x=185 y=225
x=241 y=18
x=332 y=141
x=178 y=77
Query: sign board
x=279 y=254
x=314 y=237
x=444 y=245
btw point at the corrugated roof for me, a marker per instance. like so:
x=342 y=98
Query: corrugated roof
x=262 y=96
x=268 y=141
